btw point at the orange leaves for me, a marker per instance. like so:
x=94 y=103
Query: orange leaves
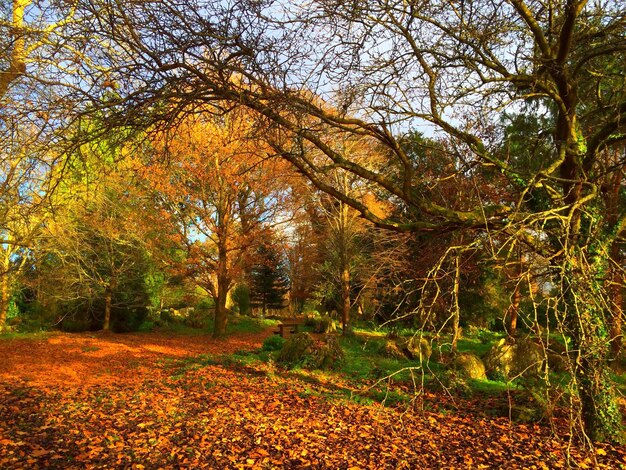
x=168 y=409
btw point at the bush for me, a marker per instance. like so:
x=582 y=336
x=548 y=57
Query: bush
x=311 y=319
x=325 y=325
x=241 y=296
x=273 y=343
x=195 y=318
x=391 y=350
x=295 y=349
x=124 y=320
x=326 y=354
x=76 y=323
x=301 y=349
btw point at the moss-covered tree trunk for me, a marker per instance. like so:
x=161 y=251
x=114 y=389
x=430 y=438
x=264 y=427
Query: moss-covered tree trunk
x=585 y=310
x=616 y=292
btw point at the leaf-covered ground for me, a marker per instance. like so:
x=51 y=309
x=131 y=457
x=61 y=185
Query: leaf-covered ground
x=147 y=401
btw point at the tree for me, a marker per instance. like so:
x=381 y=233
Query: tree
x=15 y=60
x=222 y=195
x=93 y=256
x=268 y=279
x=450 y=66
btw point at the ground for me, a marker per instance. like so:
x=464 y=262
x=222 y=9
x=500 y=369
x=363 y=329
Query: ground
x=156 y=400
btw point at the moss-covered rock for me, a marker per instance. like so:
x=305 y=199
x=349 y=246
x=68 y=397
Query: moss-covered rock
x=416 y=347
x=512 y=357
x=470 y=365
x=391 y=349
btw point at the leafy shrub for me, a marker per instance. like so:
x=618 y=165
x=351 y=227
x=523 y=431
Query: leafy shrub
x=325 y=325
x=241 y=296
x=295 y=349
x=416 y=347
x=76 y=323
x=206 y=303
x=326 y=354
x=124 y=320
x=511 y=357
x=273 y=343
x=301 y=349
x=195 y=318
x=311 y=319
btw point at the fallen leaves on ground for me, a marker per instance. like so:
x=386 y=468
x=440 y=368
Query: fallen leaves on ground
x=138 y=401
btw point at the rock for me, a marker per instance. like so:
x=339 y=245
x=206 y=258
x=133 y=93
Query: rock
x=511 y=357
x=416 y=347
x=391 y=349
x=470 y=365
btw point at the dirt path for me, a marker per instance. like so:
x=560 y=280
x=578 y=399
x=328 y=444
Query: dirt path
x=148 y=401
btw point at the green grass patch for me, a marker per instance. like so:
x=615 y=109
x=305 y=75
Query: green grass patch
x=491 y=387
x=9 y=335
x=249 y=325
x=363 y=359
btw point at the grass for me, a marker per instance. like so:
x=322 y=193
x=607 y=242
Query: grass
x=249 y=325
x=236 y=325
x=24 y=335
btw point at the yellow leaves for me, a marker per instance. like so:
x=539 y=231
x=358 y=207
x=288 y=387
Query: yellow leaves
x=379 y=208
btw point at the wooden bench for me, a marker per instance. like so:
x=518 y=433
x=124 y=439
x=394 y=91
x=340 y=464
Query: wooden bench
x=284 y=325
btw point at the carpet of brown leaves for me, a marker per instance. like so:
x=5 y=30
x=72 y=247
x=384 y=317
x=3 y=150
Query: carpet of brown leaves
x=138 y=401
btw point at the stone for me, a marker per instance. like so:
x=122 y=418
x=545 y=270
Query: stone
x=391 y=349
x=416 y=347
x=470 y=365
x=512 y=357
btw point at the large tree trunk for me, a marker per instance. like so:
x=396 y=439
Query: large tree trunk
x=4 y=299
x=223 y=285
x=108 y=298
x=615 y=276
x=221 y=314
x=345 y=299
x=17 y=60
x=5 y=293
x=513 y=311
